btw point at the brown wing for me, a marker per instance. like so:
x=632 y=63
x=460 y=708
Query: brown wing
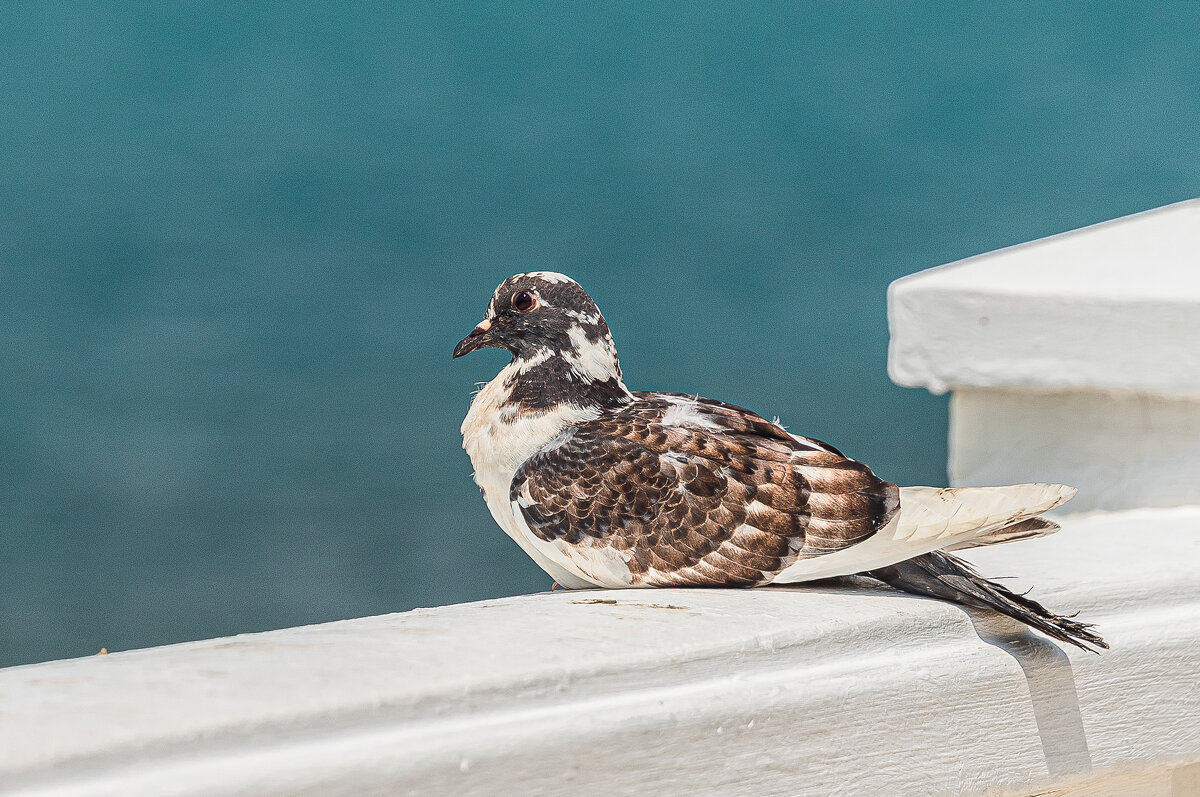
x=686 y=491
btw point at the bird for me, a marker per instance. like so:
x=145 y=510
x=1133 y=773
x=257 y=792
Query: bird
x=603 y=486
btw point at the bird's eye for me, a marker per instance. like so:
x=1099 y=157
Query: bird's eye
x=524 y=301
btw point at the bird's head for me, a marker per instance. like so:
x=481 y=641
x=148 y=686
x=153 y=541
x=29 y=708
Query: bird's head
x=547 y=319
x=535 y=311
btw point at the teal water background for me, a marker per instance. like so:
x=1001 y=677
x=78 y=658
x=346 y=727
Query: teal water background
x=238 y=242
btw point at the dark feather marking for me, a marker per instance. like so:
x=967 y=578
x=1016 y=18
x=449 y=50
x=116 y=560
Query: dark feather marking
x=547 y=385
x=675 y=499
x=941 y=575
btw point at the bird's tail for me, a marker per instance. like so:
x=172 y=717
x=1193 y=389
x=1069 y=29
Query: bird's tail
x=1023 y=530
x=957 y=515
x=941 y=575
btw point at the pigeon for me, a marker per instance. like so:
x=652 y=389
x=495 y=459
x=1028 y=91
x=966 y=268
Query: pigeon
x=603 y=486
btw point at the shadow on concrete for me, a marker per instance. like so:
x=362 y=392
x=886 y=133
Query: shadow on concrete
x=1047 y=670
x=1051 y=689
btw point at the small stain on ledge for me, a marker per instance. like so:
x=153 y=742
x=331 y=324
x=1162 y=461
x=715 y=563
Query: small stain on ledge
x=611 y=602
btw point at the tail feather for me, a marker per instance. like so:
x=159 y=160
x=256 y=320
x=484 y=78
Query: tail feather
x=1024 y=530
x=941 y=575
x=939 y=518
x=963 y=512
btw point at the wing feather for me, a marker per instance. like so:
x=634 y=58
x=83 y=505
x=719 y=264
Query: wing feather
x=672 y=489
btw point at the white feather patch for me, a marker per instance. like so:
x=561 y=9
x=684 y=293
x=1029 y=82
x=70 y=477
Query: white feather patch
x=553 y=277
x=686 y=415
x=600 y=563
x=591 y=319
x=593 y=360
x=533 y=360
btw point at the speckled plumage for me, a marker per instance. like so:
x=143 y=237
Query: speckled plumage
x=719 y=497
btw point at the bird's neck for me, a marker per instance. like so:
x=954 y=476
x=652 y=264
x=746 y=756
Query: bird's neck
x=584 y=375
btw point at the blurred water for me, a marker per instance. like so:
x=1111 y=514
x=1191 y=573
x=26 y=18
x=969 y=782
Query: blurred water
x=240 y=240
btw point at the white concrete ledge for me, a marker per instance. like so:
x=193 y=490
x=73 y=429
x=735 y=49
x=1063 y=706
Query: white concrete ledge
x=1115 y=306
x=1120 y=450
x=822 y=690
x=1072 y=359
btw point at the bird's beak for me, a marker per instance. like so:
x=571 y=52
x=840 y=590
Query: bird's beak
x=478 y=339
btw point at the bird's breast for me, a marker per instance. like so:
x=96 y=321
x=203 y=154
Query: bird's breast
x=499 y=435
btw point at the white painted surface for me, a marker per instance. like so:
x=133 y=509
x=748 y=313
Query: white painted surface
x=1120 y=450
x=820 y=690
x=1115 y=306
x=1072 y=359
